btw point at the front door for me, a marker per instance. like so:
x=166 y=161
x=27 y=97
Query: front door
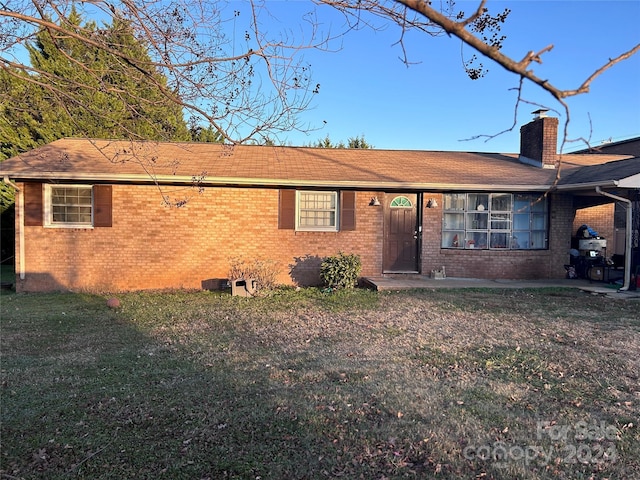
x=401 y=233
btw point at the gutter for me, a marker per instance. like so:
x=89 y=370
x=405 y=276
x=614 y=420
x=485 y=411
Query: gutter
x=627 y=250
x=19 y=225
x=207 y=181
x=586 y=185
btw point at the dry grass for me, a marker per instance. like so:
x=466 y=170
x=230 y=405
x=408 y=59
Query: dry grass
x=448 y=384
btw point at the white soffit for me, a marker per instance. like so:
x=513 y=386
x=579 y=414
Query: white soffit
x=630 y=182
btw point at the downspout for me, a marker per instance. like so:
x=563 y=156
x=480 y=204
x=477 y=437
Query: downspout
x=19 y=225
x=627 y=250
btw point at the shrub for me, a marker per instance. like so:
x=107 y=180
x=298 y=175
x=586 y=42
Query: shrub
x=341 y=270
x=264 y=272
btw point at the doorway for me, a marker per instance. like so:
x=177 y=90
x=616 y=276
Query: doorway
x=401 y=233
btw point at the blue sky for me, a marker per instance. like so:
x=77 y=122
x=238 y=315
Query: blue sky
x=433 y=105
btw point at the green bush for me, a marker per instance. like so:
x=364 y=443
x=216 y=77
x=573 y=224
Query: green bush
x=341 y=270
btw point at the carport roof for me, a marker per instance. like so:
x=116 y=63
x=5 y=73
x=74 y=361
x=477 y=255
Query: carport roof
x=625 y=173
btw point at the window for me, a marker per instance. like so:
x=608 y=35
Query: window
x=317 y=211
x=494 y=221
x=69 y=206
x=401 y=202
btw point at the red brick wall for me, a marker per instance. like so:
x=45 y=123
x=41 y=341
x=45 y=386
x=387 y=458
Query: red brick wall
x=600 y=218
x=151 y=246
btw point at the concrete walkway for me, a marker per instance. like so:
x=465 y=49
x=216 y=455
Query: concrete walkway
x=410 y=282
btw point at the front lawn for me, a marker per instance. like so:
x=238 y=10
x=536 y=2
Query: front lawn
x=455 y=384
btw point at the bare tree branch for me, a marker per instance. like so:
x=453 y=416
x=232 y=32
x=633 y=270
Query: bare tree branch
x=458 y=29
x=257 y=85
x=257 y=92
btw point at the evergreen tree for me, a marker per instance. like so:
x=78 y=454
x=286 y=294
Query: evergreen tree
x=358 y=142
x=80 y=90
x=27 y=121
x=352 y=142
x=201 y=134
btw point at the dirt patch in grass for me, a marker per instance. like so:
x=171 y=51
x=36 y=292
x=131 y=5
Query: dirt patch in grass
x=446 y=384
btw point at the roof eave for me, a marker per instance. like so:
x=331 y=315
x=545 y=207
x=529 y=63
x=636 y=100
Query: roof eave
x=270 y=182
x=587 y=185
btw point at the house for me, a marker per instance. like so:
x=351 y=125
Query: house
x=629 y=146
x=101 y=215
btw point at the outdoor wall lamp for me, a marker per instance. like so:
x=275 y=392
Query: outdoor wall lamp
x=374 y=202
x=432 y=203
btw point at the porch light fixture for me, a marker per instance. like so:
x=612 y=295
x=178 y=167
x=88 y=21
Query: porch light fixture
x=374 y=202
x=432 y=203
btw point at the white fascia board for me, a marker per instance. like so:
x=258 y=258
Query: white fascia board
x=274 y=183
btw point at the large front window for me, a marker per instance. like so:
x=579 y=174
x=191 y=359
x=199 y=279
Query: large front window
x=494 y=221
x=317 y=211
x=69 y=206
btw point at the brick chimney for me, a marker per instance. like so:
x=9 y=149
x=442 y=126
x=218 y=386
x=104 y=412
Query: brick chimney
x=538 y=141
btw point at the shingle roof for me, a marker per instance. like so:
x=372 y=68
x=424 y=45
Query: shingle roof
x=124 y=161
x=615 y=170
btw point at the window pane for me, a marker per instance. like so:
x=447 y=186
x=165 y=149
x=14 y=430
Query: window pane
x=501 y=202
x=538 y=240
x=520 y=240
x=500 y=240
x=84 y=197
x=539 y=204
x=500 y=221
x=522 y=203
x=477 y=221
x=538 y=221
x=478 y=201
x=58 y=214
x=453 y=221
x=476 y=240
x=521 y=221
x=401 y=202
x=454 y=201
x=317 y=219
x=453 y=239
x=317 y=201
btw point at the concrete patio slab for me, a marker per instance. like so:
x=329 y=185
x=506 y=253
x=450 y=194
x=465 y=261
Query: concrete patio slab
x=410 y=282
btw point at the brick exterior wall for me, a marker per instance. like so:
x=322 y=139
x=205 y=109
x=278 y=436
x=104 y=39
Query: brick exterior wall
x=150 y=246
x=600 y=218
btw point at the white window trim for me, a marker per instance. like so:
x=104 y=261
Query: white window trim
x=333 y=228
x=48 y=210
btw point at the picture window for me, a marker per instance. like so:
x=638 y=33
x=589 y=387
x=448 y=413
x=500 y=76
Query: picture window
x=500 y=221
